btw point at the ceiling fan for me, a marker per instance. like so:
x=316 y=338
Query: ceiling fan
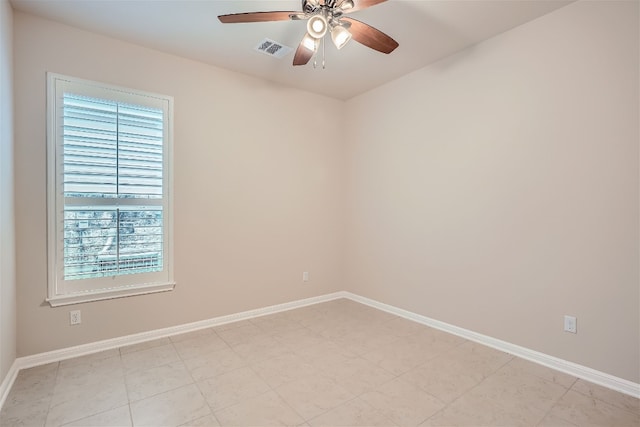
x=324 y=16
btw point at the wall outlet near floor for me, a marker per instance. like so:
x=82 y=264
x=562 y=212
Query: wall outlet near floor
x=74 y=317
x=570 y=324
x=305 y=276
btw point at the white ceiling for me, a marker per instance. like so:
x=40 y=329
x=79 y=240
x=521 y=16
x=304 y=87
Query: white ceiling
x=427 y=30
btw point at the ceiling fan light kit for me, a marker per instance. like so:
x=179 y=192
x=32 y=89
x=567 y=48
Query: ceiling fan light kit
x=310 y=43
x=317 y=26
x=340 y=36
x=324 y=16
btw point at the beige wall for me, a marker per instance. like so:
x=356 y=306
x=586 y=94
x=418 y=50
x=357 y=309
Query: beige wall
x=497 y=190
x=257 y=194
x=7 y=246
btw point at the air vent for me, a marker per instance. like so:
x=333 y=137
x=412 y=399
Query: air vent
x=273 y=48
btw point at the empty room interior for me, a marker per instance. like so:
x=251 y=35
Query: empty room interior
x=319 y=212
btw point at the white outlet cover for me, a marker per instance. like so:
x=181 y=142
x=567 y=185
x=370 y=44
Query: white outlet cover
x=570 y=324
x=75 y=317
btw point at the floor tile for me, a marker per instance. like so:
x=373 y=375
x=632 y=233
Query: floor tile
x=206 y=421
x=476 y=411
x=283 y=369
x=33 y=384
x=75 y=402
x=276 y=323
x=441 y=380
x=232 y=387
x=365 y=340
x=299 y=337
x=240 y=334
x=609 y=396
x=402 y=402
x=353 y=413
x=409 y=352
x=584 y=410
x=199 y=346
x=260 y=348
x=26 y=413
x=214 y=364
x=145 y=345
x=171 y=408
x=456 y=371
x=267 y=409
x=334 y=363
x=324 y=353
x=358 y=375
x=144 y=383
x=145 y=359
x=118 y=417
x=90 y=358
x=75 y=376
x=313 y=395
x=517 y=367
x=528 y=395
x=404 y=327
x=551 y=420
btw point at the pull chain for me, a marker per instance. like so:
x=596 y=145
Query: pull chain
x=315 y=57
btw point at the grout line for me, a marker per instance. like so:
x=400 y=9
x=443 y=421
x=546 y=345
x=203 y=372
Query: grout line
x=553 y=406
x=55 y=383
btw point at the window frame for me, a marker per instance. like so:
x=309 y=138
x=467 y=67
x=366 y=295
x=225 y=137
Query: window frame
x=63 y=292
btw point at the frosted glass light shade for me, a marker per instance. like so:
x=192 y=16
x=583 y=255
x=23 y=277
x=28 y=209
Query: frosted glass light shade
x=310 y=43
x=340 y=36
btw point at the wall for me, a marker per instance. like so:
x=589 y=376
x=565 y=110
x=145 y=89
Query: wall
x=7 y=242
x=497 y=190
x=257 y=195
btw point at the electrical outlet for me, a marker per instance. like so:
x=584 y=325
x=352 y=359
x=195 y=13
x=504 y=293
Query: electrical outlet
x=305 y=276
x=570 y=324
x=74 y=317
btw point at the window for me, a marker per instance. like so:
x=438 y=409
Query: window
x=109 y=191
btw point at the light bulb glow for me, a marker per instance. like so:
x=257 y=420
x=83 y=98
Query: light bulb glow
x=340 y=36
x=317 y=26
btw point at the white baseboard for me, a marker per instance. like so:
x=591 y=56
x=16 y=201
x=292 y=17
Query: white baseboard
x=7 y=382
x=588 y=374
x=94 y=347
x=579 y=371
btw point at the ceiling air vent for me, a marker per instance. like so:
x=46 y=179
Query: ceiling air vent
x=273 y=48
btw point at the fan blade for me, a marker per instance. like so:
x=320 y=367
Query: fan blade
x=303 y=54
x=363 y=4
x=235 y=18
x=370 y=37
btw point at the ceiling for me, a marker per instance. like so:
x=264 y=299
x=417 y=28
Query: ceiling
x=427 y=30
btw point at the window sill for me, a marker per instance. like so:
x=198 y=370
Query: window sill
x=104 y=294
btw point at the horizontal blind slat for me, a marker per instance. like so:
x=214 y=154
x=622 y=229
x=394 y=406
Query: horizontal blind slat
x=115 y=150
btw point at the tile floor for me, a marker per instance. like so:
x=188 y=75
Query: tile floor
x=338 y=363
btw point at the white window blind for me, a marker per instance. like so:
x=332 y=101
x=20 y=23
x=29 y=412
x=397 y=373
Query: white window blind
x=109 y=195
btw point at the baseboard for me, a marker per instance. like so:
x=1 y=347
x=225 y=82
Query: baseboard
x=579 y=371
x=7 y=382
x=94 y=347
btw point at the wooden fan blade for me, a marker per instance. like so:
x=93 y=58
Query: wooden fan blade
x=370 y=37
x=363 y=4
x=235 y=18
x=303 y=54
